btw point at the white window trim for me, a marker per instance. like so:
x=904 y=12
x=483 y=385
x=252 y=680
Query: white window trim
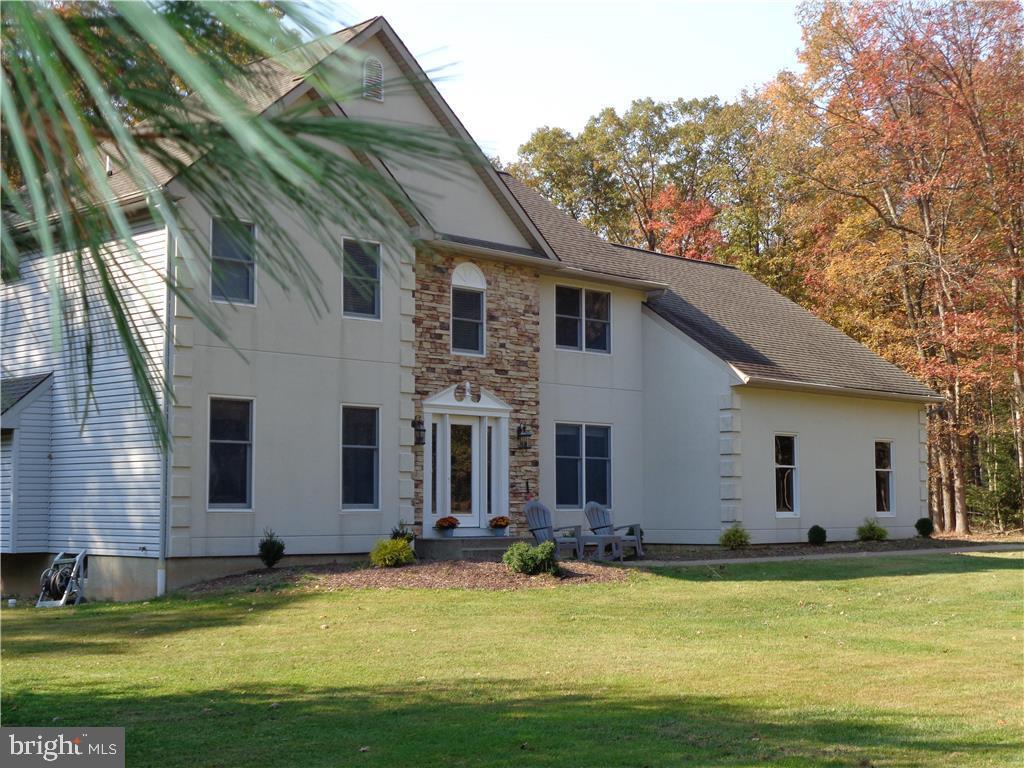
x=341 y=451
x=892 y=477
x=379 y=317
x=252 y=455
x=582 y=348
x=583 y=462
x=255 y=268
x=796 y=474
x=451 y=321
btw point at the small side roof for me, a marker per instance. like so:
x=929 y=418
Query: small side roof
x=768 y=339
x=14 y=389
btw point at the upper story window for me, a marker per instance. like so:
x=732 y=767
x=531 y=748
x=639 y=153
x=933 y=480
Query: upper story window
x=232 y=264
x=373 y=80
x=361 y=279
x=883 y=477
x=786 y=487
x=469 y=325
x=583 y=319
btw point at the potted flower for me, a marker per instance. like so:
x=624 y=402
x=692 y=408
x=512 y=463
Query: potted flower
x=447 y=525
x=499 y=525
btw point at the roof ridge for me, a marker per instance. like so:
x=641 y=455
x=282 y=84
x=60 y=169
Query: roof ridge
x=672 y=256
x=305 y=43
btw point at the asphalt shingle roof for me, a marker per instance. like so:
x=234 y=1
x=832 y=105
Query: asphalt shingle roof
x=758 y=331
x=14 y=388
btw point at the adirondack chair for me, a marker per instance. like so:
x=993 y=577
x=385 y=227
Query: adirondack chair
x=538 y=520
x=600 y=521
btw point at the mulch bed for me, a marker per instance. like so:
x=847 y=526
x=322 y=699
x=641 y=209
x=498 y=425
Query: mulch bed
x=453 y=574
x=710 y=552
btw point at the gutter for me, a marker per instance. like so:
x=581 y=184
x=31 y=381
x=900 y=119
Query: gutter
x=165 y=475
x=764 y=382
x=539 y=263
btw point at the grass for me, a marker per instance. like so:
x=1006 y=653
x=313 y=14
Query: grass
x=883 y=662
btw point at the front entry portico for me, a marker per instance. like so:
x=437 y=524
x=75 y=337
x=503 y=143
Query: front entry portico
x=465 y=458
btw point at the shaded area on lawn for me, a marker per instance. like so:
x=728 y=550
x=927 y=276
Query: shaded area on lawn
x=487 y=722
x=112 y=628
x=842 y=569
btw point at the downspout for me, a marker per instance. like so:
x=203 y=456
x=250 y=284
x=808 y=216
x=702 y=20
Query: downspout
x=161 y=567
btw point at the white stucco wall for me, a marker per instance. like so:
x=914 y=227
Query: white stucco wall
x=455 y=200
x=683 y=384
x=595 y=388
x=835 y=447
x=299 y=367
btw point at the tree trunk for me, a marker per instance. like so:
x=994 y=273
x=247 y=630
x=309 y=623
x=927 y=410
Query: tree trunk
x=957 y=471
x=945 y=479
x=934 y=484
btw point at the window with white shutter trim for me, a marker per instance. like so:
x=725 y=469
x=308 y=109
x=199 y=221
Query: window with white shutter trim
x=469 y=301
x=361 y=279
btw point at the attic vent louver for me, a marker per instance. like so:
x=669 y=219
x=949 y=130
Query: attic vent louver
x=373 y=80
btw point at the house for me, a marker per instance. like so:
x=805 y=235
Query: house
x=508 y=354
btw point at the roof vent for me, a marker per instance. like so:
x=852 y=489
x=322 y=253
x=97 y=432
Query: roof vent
x=110 y=166
x=373 y=80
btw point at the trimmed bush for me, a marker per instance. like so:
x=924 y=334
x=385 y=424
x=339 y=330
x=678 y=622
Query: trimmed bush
x=403 y=531
x=522 y=558
x=872 y=531
x=817 y=535
x=271 y=548
x=735 y=537
x=925 y=527
x=391 y=553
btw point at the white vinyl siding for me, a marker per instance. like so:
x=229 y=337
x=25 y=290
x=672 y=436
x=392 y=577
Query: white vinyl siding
x=105 y=479
x=6 y=496
x=32 y=476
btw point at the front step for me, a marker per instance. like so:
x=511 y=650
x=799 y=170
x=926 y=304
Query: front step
x=489 y=548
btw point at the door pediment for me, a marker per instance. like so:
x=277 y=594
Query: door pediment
x=465 y=398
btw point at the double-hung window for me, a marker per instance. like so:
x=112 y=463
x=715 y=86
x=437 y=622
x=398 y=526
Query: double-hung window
x=786 y=486
x=230 y=483
x=468 y=321
x=583 y=319
x=233 y=269
x=582 y=465
x=883 y=477
x=360 y=457
x=361 y=279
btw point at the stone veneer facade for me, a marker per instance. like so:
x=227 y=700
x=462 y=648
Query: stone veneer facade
x=510 y=369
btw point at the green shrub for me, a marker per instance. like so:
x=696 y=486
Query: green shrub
x=817 y=535
x=522 y=558
x=271 y=548
x=403 y=531
x=872 y=531
x=735 y=537
x=391 y=553
x=925 y=527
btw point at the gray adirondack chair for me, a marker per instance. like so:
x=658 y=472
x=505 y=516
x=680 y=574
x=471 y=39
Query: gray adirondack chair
x=538 y=520
x=600 y=520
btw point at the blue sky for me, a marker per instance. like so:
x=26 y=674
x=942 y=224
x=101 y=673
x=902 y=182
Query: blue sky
x=508 y=67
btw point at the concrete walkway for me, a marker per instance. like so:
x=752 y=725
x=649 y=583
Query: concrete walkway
x=830 y=556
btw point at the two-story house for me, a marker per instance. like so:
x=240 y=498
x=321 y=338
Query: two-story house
x=505 y=353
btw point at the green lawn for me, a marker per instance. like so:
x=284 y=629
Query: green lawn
x=885 y=662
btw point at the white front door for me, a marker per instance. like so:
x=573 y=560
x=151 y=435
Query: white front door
x=464 y=470
x=465 y=458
